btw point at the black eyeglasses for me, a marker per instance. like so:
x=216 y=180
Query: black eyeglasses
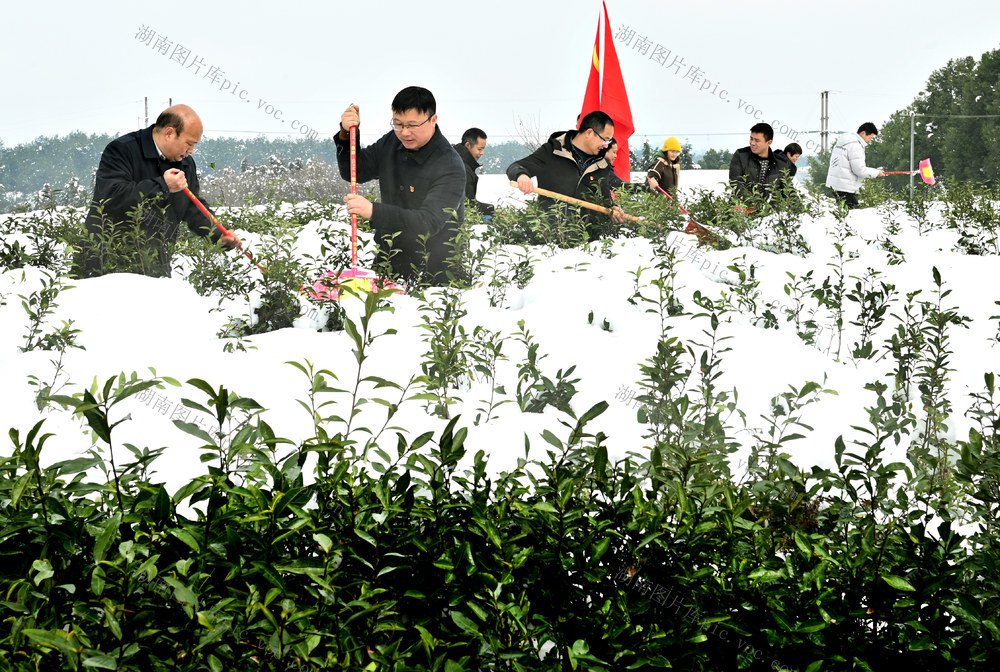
x=398 y=127
x=606 y=141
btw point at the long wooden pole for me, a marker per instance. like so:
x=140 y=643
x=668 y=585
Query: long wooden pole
x=581 y=203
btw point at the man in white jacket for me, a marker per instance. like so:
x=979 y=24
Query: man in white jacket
x=847 y=164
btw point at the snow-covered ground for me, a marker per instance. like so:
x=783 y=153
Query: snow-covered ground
x=132 y=323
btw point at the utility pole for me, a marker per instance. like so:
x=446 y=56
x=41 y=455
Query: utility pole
x=824 y=118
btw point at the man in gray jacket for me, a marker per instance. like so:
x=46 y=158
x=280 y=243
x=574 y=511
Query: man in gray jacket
x=847 y=164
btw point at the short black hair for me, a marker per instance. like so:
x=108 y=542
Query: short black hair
x=415 y=98
x=868 y=127
x=595 y=120
x=472 y=135
x=168 y=119
x=793 y=148
x=764 y=129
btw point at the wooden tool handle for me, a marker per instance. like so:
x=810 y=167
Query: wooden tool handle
x=579 y=202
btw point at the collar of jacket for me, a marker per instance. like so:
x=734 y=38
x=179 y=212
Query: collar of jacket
x=758 y=159
x=666 y=159
x=466 y=155
x=561 y=148
x=423 y=154
x=845 y=139
x=149 y=149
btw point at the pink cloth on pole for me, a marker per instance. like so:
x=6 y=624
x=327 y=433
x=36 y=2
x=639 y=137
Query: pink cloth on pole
x=326 y=289
x=926 y=174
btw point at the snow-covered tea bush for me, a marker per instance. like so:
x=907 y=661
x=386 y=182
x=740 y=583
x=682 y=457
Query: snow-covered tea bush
x=726 y=459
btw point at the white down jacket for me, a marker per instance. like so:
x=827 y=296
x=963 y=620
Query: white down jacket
x=847 y=164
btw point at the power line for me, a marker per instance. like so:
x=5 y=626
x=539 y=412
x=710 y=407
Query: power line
x=960 y=116
x=648 y=135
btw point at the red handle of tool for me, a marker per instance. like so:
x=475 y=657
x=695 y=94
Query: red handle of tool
x=661 y=190
x=205 y=211
x=696 y=223
x=354 y=190
x=900 y=172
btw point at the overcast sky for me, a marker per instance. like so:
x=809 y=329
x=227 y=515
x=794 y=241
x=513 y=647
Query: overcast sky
x=81 y=66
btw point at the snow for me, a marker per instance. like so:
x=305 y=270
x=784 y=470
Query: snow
x=130 y=324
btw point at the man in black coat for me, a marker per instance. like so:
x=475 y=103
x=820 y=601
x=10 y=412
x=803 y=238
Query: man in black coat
x=758 y=171
x=572 y=163
x=471 y=149
x=139 y=191
x=422 y=184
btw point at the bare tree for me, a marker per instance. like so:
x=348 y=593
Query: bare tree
x=529 y=132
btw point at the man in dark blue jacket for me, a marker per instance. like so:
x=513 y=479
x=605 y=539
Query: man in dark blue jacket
x=422 y=185
x=139 y=190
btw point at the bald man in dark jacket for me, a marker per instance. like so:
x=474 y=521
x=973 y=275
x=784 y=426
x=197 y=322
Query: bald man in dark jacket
x=140 y=185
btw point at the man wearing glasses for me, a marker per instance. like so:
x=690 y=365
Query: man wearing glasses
x=572 y=163
x=422 y=185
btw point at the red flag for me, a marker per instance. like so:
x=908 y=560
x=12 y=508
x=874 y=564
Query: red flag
x=613 y=99
x=592 y=97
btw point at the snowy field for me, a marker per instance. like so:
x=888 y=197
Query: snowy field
x=133 y=323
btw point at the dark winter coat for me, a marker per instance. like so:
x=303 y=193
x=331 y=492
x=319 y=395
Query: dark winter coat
x=422 y=195
x=558 y=170
x=794 y=167
x=131 y=173
x=665 y=172
x=745 y=173
x=472 y=180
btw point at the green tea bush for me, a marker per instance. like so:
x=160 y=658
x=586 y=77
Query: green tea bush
x=971 y=209
x=877 y=192
x=42 y=238
x=368 y=547
x=561 y=227
x=573 y=561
